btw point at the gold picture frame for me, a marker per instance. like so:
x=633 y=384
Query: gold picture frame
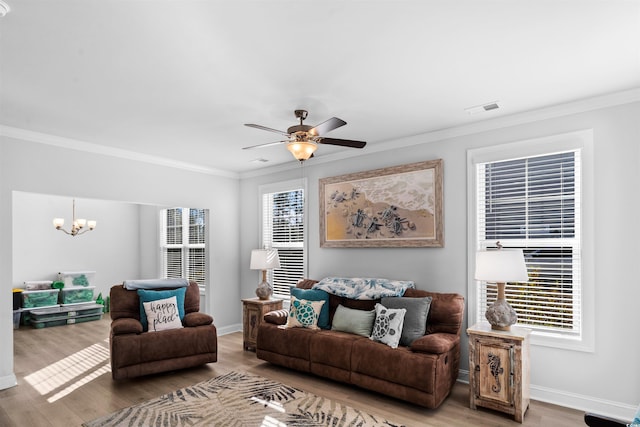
x=399 y=206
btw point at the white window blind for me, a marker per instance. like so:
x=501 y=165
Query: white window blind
x=283 y=228
x=534 y=203
x=183 y=243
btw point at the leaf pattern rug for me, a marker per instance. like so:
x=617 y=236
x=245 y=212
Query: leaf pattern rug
x=239 y=399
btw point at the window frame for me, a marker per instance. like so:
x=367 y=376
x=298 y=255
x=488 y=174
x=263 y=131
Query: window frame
x=282 y=187
x=185 y=245
x=579 y=140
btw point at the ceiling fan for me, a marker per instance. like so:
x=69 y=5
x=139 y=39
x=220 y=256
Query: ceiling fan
x=303 y=139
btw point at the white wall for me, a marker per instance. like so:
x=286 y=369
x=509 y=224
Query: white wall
x=112 y=250
x=605 y=380
x=29 y=167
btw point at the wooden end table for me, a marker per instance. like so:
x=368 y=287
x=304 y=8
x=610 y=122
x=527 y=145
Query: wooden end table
x=499 y=369
x=253 y=311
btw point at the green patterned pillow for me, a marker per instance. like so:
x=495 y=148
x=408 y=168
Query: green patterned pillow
x=304 y=313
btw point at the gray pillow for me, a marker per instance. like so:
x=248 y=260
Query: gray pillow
x=415 y=319
x=354 y=321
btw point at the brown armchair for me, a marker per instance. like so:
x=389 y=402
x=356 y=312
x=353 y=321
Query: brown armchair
x=135 y=353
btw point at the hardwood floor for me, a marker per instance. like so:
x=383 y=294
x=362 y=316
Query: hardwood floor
x=64 y=380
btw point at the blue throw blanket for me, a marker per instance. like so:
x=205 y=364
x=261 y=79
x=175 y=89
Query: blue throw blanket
x=155 y=283
x=363 y=288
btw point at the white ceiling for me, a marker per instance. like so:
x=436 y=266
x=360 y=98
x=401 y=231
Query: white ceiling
x=178 y=79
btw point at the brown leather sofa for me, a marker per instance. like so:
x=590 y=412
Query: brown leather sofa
x=423 y=373
x=135 y=353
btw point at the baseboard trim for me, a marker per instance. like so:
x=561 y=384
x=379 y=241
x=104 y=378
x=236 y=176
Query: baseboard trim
x=609 y=408
x=237 y=327
x=8 y=381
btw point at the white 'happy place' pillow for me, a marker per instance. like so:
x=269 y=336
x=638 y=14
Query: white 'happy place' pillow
x=163 y=314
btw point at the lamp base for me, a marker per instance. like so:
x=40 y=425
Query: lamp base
x=264 y=290
x=501 y=315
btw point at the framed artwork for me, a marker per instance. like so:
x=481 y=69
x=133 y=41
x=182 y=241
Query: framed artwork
x=399 y=206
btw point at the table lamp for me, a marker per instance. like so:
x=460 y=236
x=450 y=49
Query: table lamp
x=501 y=266
x=264 y=259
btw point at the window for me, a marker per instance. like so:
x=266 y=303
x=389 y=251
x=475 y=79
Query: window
x=284 y=229
x=183 y=244
x=532 y=199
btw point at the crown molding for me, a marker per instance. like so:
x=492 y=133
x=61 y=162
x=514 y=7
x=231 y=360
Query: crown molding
x=74 y=144
x=575 y=107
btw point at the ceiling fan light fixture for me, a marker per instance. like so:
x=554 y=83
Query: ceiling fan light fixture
x=302 y=150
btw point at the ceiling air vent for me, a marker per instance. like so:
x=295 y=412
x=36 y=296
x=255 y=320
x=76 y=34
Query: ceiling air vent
x=483 y=108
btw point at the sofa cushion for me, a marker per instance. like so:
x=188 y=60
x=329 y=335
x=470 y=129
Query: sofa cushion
x=304 y=313
x=394 y=365
x=149 y=295
x=288 y=342
x=332 y=348
x=359 y=322
x=387 y=327
x=315 y=295
x=162 y=314
x=177 y=343
x=415 y=319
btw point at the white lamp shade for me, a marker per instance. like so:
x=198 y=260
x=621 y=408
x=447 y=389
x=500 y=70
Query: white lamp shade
x=264 y=259
x=501 y=266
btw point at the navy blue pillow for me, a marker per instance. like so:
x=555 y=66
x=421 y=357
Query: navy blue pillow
x=147 y=295
x=315 y=295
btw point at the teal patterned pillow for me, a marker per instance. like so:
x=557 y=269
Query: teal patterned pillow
x=304 y=313
x=315 y=295
x=387 y=328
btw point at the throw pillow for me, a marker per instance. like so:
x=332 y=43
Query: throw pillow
x=315 y=295
x=304 y=314
x=359 y=322
x=388 y=326
x=148 y=295
x=415 y=319
x=162 y=314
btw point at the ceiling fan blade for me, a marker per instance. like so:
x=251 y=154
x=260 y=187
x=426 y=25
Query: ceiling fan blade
x=342 y=142
x=268 y=144
x=251 y=125
x=327 y=126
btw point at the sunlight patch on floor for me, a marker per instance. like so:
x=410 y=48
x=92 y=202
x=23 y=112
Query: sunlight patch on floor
x=63 y=372
x=82 y=381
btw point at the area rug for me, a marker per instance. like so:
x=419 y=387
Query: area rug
x=239 y=399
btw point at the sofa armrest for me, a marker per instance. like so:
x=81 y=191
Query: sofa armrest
x=437 y=343
x=126 y=325
x=277 y=317
x=197 y=319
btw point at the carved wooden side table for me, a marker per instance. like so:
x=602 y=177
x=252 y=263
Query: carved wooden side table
x=253 y=311
x=499 y=369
